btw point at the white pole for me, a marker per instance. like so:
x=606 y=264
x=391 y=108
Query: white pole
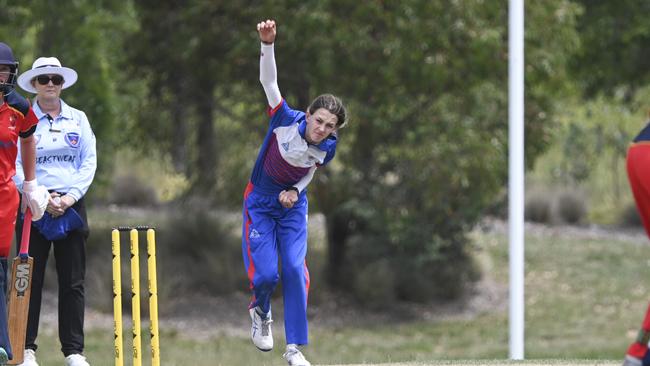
x=516 y=176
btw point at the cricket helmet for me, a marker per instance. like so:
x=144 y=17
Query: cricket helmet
x=7 y=58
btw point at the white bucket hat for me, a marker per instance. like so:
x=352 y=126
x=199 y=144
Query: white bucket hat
x=46 y=66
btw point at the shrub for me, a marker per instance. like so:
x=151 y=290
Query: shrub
x=537 y=208
x=129 y=190
x=630 y=217
x=499 y=207
x=445 y=275
x=571 y=207
x=204 y=254
x=196 y=251
x=406 y=261
x=374 y=284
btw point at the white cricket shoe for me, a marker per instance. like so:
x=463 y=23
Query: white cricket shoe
x=632 y=361
x=4 y=358
x=76 y=360
x=29 y=358
x=294 y=357
x=261 y=331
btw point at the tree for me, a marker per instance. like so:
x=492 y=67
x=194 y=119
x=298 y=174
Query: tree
x=615 y=46
x=84 y=37
x=426 y=85
x=426 y=150
x=197 y=57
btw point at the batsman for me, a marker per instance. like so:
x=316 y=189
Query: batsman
x=638 y=161
x=17 y=120
x=275 y=203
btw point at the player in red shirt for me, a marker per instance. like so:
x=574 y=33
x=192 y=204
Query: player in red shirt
x=16 y=120
x=638 y=160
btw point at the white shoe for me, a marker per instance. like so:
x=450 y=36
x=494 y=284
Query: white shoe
x=261 y=331
x=632 y=361
x=4 y=358
x=29 y=358
x=294 y=357
x=76 y=360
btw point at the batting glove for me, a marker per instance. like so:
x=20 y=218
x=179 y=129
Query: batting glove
x=35 y=197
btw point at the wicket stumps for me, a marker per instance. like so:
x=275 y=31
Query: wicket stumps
x=135 y=295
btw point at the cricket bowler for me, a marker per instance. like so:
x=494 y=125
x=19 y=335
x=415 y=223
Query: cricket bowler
x=275 y=203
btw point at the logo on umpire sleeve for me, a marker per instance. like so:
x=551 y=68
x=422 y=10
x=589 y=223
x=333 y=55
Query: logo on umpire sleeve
x=72 y=139
x=254 y=234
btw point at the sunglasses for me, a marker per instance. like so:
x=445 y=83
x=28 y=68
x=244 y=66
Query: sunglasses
x=44 y=79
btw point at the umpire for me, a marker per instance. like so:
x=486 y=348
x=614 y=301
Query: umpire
x=66 y=161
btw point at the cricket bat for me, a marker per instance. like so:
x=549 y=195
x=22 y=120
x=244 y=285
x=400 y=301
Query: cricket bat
x=19 y=293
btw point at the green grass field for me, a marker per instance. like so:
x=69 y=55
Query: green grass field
x=585 y=297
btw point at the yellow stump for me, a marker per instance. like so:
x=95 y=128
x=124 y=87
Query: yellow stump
x=117 y=298
x=153 y=297
x=135 y=298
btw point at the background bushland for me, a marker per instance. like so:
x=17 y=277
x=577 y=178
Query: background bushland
x=172 y=93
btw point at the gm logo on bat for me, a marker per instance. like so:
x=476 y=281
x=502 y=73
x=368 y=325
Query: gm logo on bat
x=21 y=284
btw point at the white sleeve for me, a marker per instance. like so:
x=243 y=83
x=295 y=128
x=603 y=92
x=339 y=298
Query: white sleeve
x=302 y=183
x=88 y=158
x=269 y=75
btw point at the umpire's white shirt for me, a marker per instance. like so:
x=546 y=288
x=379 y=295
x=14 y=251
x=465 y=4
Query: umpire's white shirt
x=66 y=152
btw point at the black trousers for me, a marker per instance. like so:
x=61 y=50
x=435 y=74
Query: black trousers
x=70 y=260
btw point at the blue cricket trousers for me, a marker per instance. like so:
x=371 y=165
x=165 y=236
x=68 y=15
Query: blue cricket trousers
x=270 y=230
